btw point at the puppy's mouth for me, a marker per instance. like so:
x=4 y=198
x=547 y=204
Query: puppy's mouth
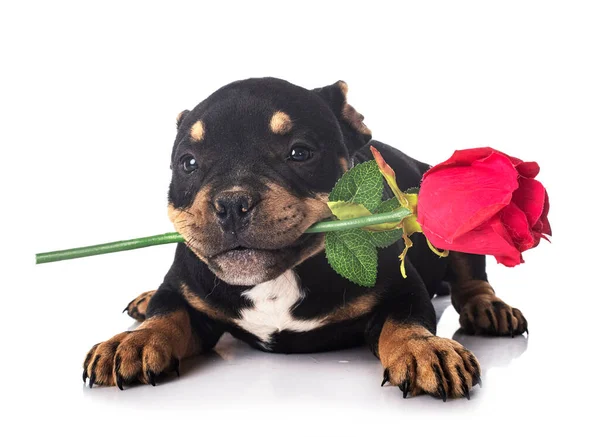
x=244 y=256
x=248 y=254
x=248 y=265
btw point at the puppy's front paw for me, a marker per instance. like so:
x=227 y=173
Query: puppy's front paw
x=489 y=315
x=128 y=357
x=137 y=307
x=430 y=364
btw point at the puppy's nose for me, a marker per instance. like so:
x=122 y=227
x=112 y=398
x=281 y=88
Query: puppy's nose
x=232 y=209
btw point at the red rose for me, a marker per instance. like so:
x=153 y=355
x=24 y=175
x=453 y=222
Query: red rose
x=485 y=202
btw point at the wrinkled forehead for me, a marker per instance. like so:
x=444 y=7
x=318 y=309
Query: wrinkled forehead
x=243 y=115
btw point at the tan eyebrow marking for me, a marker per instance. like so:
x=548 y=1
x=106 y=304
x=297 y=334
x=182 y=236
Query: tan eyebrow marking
x=281 y=123
x=197 y=131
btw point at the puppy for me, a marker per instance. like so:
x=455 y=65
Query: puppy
x=251 y=168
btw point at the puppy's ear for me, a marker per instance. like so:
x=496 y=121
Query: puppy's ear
x=181 y=116
x=356 y=134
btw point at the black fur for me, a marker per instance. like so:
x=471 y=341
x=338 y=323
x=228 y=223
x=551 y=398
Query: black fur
x=239 y=150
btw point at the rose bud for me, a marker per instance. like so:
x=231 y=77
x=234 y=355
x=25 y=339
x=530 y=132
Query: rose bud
x=483 y=201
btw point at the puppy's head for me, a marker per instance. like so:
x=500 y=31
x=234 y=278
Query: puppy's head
x=252 y=165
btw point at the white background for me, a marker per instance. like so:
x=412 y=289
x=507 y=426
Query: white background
x=89 y=95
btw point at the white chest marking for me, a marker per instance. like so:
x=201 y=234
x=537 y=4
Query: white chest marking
x=271 y=312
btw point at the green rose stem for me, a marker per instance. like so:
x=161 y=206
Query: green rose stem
x=115 y=246
x=173 y=237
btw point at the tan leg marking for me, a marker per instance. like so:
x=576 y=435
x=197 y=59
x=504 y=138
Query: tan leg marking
x=419 y=362
x=138 y=306
x=155 y=347
x=356 y=308
x=344 y=164
x=201 y=305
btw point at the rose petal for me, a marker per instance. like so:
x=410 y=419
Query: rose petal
x=463 y=157
x=509 y=261
x=543 y=225
x=546 y=229
x=454 y=200
x=528 y=169
x=516 y=223
x=508 y=258
x=490 y=238
x=530 y=198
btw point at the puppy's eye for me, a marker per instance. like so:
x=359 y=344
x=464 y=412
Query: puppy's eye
x=300 y=153
x=189 y=164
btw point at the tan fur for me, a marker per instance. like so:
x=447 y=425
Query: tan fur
x=393 y=337
x=201 y=305
x=344 y=164
x=459 y=262
x=280 y=123
x=277 y=222
x=343 y=87
x=464 y=286
x=283 y=208
x=356 y=308
x=138 y=306
x=484 y=313
x=151 y=348
x=411 y=355
x=350 y=310
x=355 y=119
x=197 y=131
x=481 y=311
x=351 y=115
x=178 y=118
x=176 y=328
x=189 y=221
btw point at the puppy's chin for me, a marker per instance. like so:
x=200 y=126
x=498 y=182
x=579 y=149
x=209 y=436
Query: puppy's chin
x=247 y=267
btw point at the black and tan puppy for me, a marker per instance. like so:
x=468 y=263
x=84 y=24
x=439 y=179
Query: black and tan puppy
x=252 y=165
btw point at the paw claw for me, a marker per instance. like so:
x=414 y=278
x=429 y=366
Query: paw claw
x=510 y=325
x=150 y=376
x=120 y=382
x=93 y=372
x=441 y=389
x=386 y=377
x=429 y=364
x=130 y=356
x=404 y=388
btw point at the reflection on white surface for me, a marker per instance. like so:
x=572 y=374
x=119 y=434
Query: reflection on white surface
x=493 y=352
x=234 y=374
x=490 y=351
x=236 y=385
